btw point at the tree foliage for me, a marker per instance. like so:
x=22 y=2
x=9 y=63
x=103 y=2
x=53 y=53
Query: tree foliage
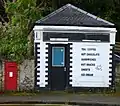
x=14 y=34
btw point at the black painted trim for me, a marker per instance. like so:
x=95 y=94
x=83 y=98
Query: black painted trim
x=76 y=37
x=110 y=71
x=46 y=71
x=113 y=69
x=36 y=52
x=70 y=85
x=112 y=81
x=68 y=65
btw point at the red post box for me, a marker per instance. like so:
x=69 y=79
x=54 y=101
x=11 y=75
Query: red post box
x=10 y=81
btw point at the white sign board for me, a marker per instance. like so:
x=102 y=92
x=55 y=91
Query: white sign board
x=90 y=64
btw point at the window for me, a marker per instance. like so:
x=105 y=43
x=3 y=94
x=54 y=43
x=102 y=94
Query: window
x=58 y=56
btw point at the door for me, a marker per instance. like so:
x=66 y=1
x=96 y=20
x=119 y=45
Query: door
x=10 y=76
x=58 y=67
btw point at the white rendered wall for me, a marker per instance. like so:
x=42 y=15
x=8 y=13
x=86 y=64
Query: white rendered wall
x=100 y=76
x=41 y=62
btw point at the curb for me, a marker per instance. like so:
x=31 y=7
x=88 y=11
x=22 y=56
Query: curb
x=59 y=102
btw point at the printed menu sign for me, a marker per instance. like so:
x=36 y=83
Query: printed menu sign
x=90 y=66
x=89 y=56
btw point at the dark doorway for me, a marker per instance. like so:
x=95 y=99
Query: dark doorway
x=58 y=63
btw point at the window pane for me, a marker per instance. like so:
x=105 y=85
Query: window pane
x=58 y=56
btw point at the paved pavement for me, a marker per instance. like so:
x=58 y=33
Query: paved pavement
x=87 y=100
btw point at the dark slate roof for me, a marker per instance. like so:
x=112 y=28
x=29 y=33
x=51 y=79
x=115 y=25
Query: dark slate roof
x=71 y=15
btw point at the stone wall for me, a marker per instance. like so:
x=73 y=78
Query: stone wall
x=118 y=74
x=1 y=75
x=26 y=75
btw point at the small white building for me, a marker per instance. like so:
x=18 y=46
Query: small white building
x=73 y=49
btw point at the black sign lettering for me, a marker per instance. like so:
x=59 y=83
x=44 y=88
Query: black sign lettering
x=88 y=59
x=89 y=74
x=91 y=49
x=84 y=49
x=93 y=54
x=85 y=69
x=90 y=64
x=83 y=54
x=82 y=74
x=83 y=64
